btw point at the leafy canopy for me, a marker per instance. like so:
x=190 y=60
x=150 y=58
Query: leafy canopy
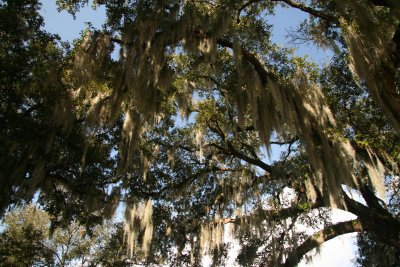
x=88 y=130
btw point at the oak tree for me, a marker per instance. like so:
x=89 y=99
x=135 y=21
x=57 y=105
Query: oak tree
x=90 y=129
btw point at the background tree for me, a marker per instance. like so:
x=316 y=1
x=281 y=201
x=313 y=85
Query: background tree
x=23 y=241
x=113 y=250
x=26 y=240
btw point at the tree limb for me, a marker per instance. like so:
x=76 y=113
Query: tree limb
x=386 y=3
x=288 y=142
x=375 y=219
x=311 y=11
x=231 y=150
x=252 y=58
x=288 y=152
x=302 y=7
x=270 y=214
x=320 y=237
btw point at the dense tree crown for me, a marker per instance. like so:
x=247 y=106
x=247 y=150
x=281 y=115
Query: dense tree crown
x=172 y=109
x=27 y=241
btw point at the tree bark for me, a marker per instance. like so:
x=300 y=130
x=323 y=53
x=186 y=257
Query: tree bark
x=320 y=237
x=375 y=219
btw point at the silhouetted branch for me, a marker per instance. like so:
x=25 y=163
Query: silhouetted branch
x=319 y=238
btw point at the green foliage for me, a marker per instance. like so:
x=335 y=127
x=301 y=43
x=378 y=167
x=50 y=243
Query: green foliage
x=372 y=253
x=26 y=241
x=23 y=241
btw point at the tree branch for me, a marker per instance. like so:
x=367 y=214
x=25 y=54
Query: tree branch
x=271 y=214
x=302 y=7
x=252 y=58
x=288 y=152
x=376 y=220
x=52 y=251
x=231 y=150
x=320 y=237
x=386 y=3
x=32 y=108
x=288 y=142
x=311 y=11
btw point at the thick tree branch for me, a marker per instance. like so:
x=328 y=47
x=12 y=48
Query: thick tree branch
x=251 y=57
x=377 y=221
x=311 y=11
x=372 y=200
x=386 y=3
x=302 y=7
x=271 y=214
x=250 y=149
x=320 y=237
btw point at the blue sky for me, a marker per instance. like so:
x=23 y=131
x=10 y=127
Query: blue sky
x=287 y=20
x=64 y=24
x=337 y=252
x=284 y=21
